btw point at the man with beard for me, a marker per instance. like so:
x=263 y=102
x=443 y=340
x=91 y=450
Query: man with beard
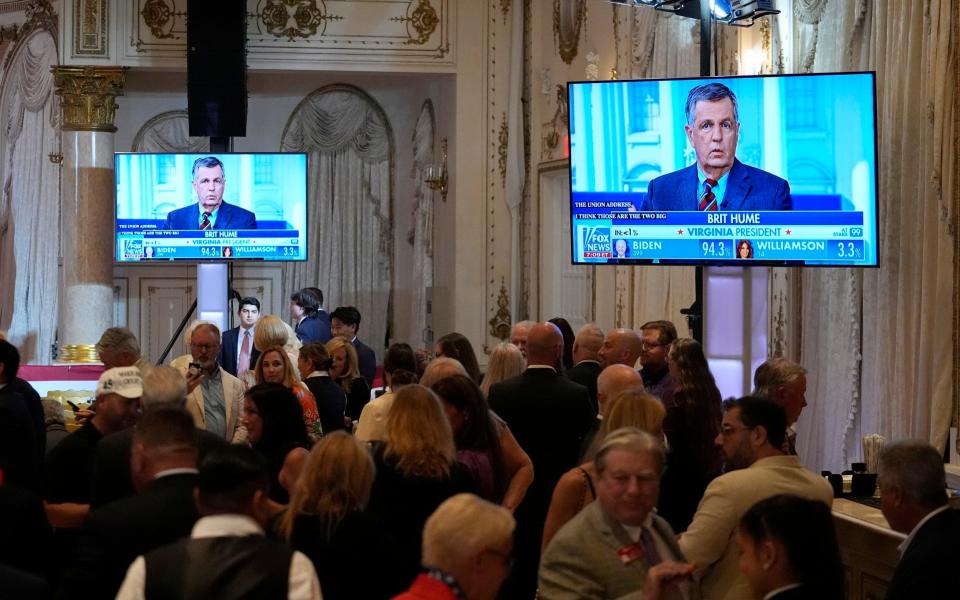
x=751 y=438
x=656 y=337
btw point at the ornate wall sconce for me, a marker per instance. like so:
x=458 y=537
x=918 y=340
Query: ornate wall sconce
x=435 y=176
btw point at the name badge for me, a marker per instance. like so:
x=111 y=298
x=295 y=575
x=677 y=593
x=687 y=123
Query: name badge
x=630 y=553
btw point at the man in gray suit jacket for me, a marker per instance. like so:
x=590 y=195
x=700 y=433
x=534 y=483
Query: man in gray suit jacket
x=617 y=547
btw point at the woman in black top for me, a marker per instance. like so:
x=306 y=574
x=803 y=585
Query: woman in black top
x=314 y=364
x=274 y=422
x=417 y=469
x=351 y=552
x=345 y=370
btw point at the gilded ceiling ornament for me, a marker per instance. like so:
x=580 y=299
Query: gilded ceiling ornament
x=423 y=19
x=568 y=19
x=296 y=18
x=87 y=96
x=500 y=323
x=90 y=27
x=159 y=15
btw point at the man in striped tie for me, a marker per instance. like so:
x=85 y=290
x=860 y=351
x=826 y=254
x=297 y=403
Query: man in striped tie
x=210 y=211
x=718 y=181
x=237 y=353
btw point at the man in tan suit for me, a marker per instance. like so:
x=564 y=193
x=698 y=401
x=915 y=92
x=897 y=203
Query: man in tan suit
x=617 y=547
x=751 y=437
x=215 y=397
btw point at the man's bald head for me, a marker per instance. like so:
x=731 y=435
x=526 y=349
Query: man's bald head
x=544 y=345
x=616 y=379
x=441 y=368
x=621 y=347
x=587 y=343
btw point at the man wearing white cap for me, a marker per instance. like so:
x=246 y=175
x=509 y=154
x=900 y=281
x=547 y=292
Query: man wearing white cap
x=69 y=465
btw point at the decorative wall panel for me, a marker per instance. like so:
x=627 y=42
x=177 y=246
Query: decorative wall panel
x=292 y=34
x=91 y=26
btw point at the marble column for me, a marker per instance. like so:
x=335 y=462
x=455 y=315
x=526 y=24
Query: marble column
x=87 y=109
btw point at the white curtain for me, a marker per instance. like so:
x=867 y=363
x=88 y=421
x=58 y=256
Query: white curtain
x=878 y=343
x=350 y=241
x=169 y=132
x=29 y=201
x=660 y=45
x=421 y=234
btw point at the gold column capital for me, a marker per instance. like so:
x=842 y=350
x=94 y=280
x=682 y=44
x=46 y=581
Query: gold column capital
x=87 y=96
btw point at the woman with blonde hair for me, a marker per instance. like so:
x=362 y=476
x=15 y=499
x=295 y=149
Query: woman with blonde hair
x=326 y=521
x=345 y=370
x=506 y=361
x=271 y=330
x=417 y=469
x=274 y=366
x=632 y=408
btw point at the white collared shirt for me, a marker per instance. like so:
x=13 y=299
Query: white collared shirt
x=906 y=543
x=634 y=531
x=541 y=367
x=302 y=583
x=240 y=342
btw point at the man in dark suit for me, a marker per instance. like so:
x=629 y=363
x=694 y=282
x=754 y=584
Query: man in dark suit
x=586 y=363
x=165 y=472
x=549 y=415
x=345 y=322
x=718 y=181
x=164 y=386
x=312 y=323
x=914 y=502
x=210 y=211
x=656 y=337
x=20 y=451
x=237 y=352
x=227 y=554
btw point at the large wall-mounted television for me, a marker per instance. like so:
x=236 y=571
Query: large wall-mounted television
x=759 y=170
x=211 y=207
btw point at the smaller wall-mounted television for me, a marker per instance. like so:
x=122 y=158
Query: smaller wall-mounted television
x=211 y=207
x=758 y=170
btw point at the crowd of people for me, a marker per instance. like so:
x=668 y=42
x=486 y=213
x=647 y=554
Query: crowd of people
x=275 y=461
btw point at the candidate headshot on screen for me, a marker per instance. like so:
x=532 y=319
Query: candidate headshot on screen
x=718 y=181
x=744 y=249
x=621 y=249
x=210 y=211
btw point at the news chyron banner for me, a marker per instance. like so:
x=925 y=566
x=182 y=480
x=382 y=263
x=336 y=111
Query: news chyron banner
x=805 y=236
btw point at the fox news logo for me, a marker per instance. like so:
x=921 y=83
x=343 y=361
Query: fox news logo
x=596 y=239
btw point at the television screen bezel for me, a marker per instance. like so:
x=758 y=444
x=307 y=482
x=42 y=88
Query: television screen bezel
x=730 y=262
x=193 y=261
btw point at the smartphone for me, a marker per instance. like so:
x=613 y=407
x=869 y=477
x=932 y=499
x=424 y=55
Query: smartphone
x=195 y=369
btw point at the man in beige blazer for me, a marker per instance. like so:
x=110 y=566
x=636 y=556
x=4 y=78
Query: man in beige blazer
x=215 y=397
x=751 y=438
x=616 y=547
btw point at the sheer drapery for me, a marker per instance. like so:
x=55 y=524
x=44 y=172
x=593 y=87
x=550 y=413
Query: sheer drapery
x=421 y=234
x=29 y=204
x=660 y=45
x=878 y=343
x=350 y=145
x=169 y=132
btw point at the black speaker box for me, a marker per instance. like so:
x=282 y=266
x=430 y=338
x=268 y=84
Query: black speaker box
x=217 y=68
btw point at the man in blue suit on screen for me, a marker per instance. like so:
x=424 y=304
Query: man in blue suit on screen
x=718 y=181
x=210 y=211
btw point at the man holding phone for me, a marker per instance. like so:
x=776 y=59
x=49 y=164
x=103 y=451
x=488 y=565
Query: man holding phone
x=214 y=397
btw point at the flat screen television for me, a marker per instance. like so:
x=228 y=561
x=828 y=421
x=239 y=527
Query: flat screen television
x=759 y=170
x=211 y=207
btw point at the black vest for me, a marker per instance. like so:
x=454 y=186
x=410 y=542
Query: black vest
x=249 y=567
